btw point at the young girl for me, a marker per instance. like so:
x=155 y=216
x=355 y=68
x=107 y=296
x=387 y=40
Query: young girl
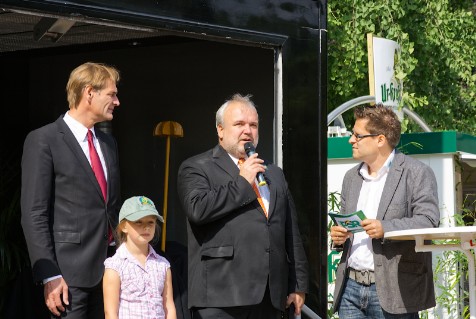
x=137 y=281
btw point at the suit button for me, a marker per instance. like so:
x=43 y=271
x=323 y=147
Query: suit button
x=267 y=250
x=105 y=236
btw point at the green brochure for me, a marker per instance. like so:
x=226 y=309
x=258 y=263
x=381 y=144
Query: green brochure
x=352 y=221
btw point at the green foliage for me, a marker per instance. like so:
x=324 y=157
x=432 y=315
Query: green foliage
x=333 y=204
x=404 y=147
x=333 y=201
x=452 y=268
x=437 y=62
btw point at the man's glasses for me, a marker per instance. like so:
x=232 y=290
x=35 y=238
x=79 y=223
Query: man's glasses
x=358 y=137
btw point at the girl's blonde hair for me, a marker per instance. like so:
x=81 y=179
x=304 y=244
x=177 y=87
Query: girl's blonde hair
x=122 y=236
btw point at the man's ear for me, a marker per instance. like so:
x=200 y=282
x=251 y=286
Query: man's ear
x=381 y=140
x=87 y=94
x=220 y=131
x=88 y=90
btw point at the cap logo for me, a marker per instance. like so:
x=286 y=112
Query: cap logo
x=145 y=201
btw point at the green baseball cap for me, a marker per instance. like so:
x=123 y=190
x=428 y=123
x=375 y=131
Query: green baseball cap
x=136 y=207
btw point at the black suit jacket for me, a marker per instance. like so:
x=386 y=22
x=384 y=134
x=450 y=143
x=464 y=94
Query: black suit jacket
x=232 y=248
x=64 y=216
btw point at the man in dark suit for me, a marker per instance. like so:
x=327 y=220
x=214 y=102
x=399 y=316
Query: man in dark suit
x=378 y=278
x=67 y=211
x=246 y=259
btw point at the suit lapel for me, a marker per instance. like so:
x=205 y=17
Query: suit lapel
x=355 y=184
x=223 y=160
x=76 y=149
x=106 y=152
x=391 y=184
x=272 y=195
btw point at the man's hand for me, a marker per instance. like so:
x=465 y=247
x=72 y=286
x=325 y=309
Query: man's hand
x=56 y=293
x=251 y=167
x=297 y=298
x=373 y=228
x=339 y=235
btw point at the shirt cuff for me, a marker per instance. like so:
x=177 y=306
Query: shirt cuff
x=51 y=279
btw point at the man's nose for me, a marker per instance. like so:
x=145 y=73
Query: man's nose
x=352 y=139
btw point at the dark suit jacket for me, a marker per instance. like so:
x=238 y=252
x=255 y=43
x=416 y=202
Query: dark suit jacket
x=232 y=247
x=64 y=216
x=403 y=277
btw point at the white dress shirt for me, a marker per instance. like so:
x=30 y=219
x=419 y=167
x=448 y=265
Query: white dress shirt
x=80 y=132
x=361 y=255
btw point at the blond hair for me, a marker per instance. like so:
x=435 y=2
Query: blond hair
x=91 y=74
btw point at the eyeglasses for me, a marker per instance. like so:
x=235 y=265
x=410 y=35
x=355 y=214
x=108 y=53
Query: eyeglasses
x=358 y=137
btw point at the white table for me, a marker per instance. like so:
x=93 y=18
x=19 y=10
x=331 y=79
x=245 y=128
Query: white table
x=467 y=237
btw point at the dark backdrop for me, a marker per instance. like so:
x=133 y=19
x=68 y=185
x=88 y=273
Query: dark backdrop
x=183 y=81
x=295 y=30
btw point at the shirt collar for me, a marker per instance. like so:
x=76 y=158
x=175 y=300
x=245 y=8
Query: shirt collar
x=364 y=170
x=79 y=130
x=123 y=253
x=234 y=159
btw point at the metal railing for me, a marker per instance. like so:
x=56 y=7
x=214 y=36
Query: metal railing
x=370 y=99
x=309 y=313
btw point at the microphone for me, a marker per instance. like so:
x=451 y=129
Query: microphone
x=250 y=150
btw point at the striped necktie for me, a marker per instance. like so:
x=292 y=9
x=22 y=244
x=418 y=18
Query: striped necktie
x=255 y=188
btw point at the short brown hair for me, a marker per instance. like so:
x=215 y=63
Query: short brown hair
x=89 y=73
x=381 y=120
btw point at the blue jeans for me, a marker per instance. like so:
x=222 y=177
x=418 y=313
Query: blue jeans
x=360 y=301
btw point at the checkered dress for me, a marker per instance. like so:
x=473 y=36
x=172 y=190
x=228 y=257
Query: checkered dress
x=141 y=288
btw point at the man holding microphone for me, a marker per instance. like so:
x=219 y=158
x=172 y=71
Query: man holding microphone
x=246 y=258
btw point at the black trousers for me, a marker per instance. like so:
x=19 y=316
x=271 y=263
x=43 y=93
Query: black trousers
x=263 y=310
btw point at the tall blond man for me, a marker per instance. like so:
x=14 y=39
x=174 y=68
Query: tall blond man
x=70 y=195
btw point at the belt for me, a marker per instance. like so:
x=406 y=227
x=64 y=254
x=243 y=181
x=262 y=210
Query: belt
x=363 y=277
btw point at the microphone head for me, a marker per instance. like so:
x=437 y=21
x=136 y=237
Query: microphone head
x=249 y=148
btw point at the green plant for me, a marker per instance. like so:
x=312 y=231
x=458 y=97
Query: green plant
x=333 y=203
x=403 y=148
x=442 y=90
x=452 y=268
